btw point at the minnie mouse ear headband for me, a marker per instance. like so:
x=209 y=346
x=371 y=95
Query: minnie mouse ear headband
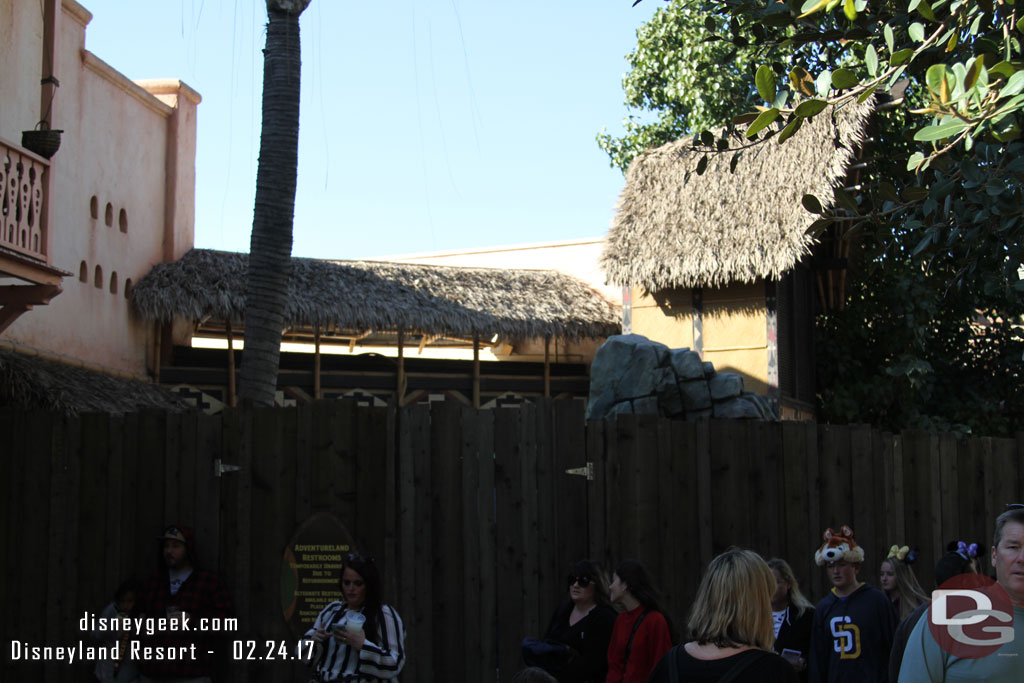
x=903 y=553
x=964 y=550
x=839 y=546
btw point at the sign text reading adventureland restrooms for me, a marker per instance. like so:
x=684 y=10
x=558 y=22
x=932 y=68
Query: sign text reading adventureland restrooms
x=311 y=569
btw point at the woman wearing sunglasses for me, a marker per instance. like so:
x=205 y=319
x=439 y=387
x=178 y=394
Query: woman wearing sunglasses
x=360 y=639
x=584 y=624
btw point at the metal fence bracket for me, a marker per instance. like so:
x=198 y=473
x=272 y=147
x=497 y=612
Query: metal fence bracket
x=219 y=468
x=585 y=471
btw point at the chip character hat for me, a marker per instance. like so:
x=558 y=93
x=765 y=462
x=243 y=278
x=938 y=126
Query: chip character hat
x=839 y=546
x=173 y=533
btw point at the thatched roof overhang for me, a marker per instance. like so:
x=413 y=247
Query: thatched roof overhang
x=35 y=383
x=739 y=221
x=376 y=296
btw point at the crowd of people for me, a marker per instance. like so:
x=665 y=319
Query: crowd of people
x=751 y=622
x=748 y=622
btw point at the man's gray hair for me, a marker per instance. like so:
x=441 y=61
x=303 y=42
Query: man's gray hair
x=1012 y=515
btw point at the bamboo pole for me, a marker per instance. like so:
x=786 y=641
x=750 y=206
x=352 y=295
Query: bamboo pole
x=317 y=393
x=400 y=389
x=232 y=398
x=476 y=370
x=547 y=366
x=156 y=352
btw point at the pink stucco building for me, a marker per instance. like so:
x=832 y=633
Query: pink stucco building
x=117 y=197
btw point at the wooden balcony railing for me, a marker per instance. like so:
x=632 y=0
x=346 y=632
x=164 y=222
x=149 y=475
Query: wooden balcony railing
x=22 y=218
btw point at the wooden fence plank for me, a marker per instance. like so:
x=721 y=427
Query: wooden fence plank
x=390 y=454
x=812 y=461
x=729 y=470
x=529 y=546
x=973 y=526
x=644 y=467
x=549 y=510
x=134 y=560
x=185 y=454
x=473 y=500
x=862 y=493
x=679 y=568
x=370 y=452
x=489 y=587
x=305 y=447
x=59 y=606
x=917 y=497
x=423 y=548
x=263 y=532
x=597 y=525
x=446 y=505
x=29 y=548
x=613 y=500
x=208 y=433
x=934 y=548
x=342 y=486
x=896 y=493
x=949 y=492
x=172 y=470
x=236 y=507
x=91 y=510
x=836 y=477
x=11 y=453
x=113 y=528
x=705 y=495
x=767 y=517
x=569 y=493
x=151 y=488
x=624 y=515
x=800 y=536
x=509 y=541
x=408 y=431
x=323 y=464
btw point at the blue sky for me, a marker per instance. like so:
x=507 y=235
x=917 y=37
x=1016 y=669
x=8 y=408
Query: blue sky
x=425 y=126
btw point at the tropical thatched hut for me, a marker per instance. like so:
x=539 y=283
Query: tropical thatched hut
x=379 y=304
x=718 y=261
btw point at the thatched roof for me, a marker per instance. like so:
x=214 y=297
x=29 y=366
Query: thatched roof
x=35 y=383
x=383 y=296
x=676 y=228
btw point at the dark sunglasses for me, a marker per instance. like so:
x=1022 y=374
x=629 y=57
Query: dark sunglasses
x=583 y=581
x=1015 y=506
x=357 y=559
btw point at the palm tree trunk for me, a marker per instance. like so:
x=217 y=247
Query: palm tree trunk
x=271 y=244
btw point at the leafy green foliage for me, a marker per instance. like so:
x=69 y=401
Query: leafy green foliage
x=691 y=70
x=936 y=211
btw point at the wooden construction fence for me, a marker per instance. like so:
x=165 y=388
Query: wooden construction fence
x=471 y=514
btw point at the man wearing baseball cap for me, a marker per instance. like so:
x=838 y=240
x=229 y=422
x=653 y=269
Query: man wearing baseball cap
x=987 y=650
x=189 y=597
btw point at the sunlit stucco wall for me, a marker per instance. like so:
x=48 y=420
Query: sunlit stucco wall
x=123 y=187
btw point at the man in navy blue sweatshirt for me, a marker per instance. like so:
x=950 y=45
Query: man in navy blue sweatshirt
x=853 y=625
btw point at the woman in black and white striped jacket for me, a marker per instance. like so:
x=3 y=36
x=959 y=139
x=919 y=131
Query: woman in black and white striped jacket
x=373 y=653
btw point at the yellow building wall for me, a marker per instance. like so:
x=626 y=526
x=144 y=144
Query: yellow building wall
x=666 y=317
x=734 y=327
